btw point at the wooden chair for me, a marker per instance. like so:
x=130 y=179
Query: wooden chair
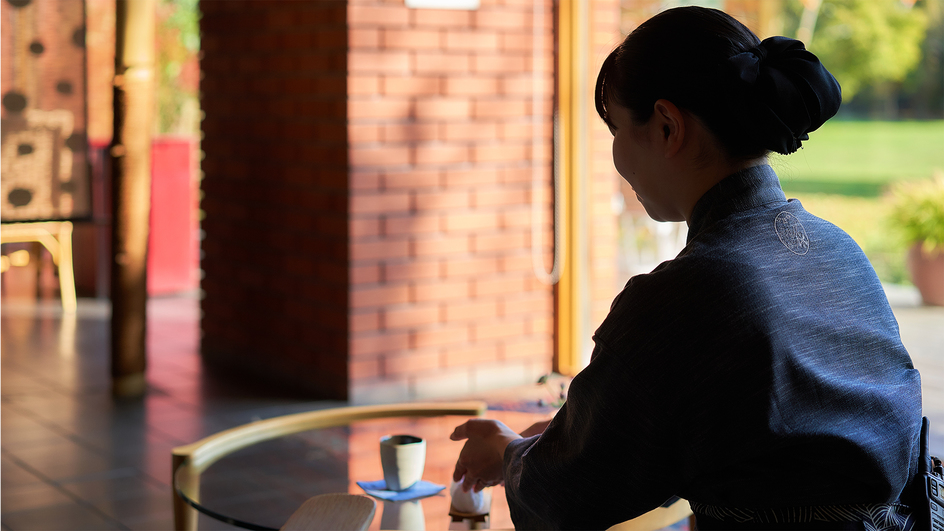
x=190 y=460
x=333 y=512
x=658 y=518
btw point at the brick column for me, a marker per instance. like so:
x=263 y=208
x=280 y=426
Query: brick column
x=370 y=173
x=275 y=255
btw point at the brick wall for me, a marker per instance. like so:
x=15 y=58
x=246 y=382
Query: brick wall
x=443 y=299
x=369 y=178
x=275 y=253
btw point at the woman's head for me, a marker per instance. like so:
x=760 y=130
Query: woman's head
x=755 y=97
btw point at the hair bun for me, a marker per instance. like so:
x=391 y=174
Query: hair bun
x=791 y=92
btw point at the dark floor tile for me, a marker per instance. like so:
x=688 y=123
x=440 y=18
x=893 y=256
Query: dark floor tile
x=147 y=507
x=120 y=484
x=14 y=475
x=60 y=462
x=31 y=496
x=67 y=516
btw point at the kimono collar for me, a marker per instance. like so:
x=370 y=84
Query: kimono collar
x=744 y=190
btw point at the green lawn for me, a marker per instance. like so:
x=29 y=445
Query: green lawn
x=860 y=158
x=842 y=173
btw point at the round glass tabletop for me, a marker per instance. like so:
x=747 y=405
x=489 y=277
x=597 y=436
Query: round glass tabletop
x=260 y=486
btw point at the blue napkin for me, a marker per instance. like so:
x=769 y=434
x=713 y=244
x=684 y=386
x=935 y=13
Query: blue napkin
x=420 y=489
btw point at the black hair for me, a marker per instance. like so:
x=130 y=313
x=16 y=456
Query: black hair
x=754 y=96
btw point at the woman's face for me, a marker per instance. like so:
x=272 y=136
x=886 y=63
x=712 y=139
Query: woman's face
x=637 y=162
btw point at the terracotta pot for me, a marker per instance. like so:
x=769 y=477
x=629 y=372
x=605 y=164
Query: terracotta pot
x=927 y=273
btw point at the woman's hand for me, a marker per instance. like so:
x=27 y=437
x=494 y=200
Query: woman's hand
x=536 y=429
x=481 y=460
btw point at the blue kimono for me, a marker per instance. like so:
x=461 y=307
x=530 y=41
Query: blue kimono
x=761 y=369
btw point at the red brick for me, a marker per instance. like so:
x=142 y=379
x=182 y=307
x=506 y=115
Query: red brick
x=412 y=270
x=449 y=334
x=503 y=152
x=471 y=310
x=410 y=132
x=439 y=153
x=541 y=325
x=412 y=38
x=444 y=246
x=375 y=343
x=414 y=361
x=504 y=328
x=503 y=285
x=470 y=221
x=363 y=38
x=486 y=197
x=441 y=18
x=501 y=241
x=386 y=202
x=435 y=108
x=471 y=40
x=380 y=156
x=533 y=304
x=442 y=200
x=363 y=368
x=362 y=108
x=363 y=133
x=361 y=227
x=379 y=249
x=414 y=224
x=520 y=175
x=524 y=42
x=471 y=85
x=527 y=348
x=516 y=218
x=517 y=262
x=378 y=296
x=441 y=63
x=504 y=19
x=504 y=64
x=470 y=267
x=389 y=62
x=412 y=179
x=364 y=321
x=523 y=130
x=411 y=85
x=363 y=85
x=365 y=180
x=474 y=177
x=411 y=316
x=470 y=131
x=501 y=108
x=441 y=290
x=377 y=15
x=470 y=355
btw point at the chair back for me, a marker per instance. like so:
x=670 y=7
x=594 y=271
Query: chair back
x=326 y=512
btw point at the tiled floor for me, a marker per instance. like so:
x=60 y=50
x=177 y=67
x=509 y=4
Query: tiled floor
x=74 y=458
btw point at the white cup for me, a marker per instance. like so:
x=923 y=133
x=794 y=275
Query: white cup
x=403 y=458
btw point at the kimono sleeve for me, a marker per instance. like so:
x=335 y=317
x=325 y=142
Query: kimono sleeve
x=609 y=454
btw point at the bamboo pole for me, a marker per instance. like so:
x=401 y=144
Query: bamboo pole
x=131 y=191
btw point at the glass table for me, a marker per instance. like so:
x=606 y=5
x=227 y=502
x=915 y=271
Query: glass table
x=260 y=486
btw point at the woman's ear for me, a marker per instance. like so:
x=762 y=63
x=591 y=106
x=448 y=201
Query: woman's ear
x=670 y=122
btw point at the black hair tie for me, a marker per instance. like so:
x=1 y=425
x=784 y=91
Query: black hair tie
x=788 y=89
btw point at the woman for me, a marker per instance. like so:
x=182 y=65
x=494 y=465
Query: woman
x=760 y=374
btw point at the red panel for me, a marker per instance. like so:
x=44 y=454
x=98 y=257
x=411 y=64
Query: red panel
x=173 y=246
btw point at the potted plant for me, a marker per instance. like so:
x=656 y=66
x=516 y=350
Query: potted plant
x=918 y=211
